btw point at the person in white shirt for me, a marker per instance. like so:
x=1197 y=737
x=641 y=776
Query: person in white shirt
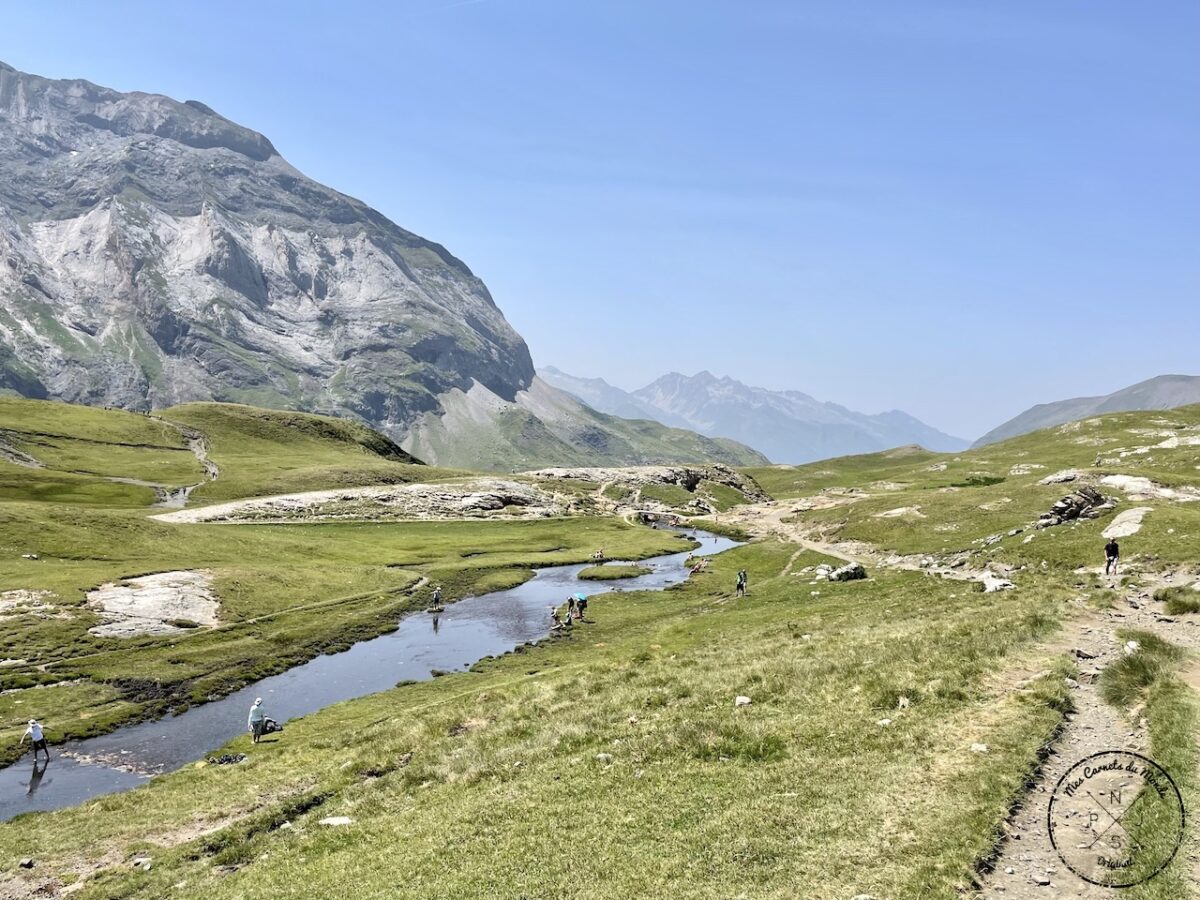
x=34 y=731
x=257 y=720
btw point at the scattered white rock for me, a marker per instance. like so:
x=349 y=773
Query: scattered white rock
x=884 y=723
x=903 y=703
x=1025 y=468
x=1140 y=488
x=1175 y=441
x=21 y=601
x=979 y=748
x=742 y=701
x=992 y=582
x=336 y=821
x=604 y=757
x=1132 y=647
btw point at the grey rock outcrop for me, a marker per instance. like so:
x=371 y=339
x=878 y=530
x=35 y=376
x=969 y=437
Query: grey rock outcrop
x=849 y=572
x=1085 y=503
x=153 y=252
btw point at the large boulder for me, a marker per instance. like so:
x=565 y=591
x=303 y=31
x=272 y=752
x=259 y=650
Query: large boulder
x=1085 y=503
x=849 y=572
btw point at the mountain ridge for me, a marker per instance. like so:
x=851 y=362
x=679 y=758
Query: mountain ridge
x=153 y=252
x=788 y=426
x=1159 y=392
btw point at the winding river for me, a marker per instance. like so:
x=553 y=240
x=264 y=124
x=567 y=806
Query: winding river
x=469 y=630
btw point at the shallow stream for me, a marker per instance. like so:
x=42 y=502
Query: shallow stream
x=454 y=640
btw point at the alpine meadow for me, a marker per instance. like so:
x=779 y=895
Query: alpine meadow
x=313 y=583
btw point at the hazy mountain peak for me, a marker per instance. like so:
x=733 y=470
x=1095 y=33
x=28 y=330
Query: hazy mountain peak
x=789 y=426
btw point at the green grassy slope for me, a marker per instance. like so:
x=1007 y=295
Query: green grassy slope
x=559 y=431
x=956 y=504
x=614 y=762
x=80 y=448
x=321 y=586
x=264 y=452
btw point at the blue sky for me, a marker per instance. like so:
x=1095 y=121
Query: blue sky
x=957 y=208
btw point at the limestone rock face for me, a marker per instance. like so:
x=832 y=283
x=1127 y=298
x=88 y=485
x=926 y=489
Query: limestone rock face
x=153 y=252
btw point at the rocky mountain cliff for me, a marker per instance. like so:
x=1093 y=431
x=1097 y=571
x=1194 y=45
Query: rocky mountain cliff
x=1163 y=392
x=153 y=252
x=788 y=426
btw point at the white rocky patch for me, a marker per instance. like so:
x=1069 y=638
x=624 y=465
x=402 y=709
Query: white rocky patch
x=1175 y=442
x=1062 y=477
x=149 y=604
x=483 y=497
x=1126 y=523
x=1025 y=468
x=996 y=504
x=1140 y=488
x=992 y=582
x=901 y=512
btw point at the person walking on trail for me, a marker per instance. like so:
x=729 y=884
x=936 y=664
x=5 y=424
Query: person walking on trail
x=742 y=578
x=1112 y=556
x=257 y=721
x=34 y=732
x=437 y=596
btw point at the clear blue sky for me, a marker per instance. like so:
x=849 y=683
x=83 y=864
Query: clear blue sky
x=957 y=208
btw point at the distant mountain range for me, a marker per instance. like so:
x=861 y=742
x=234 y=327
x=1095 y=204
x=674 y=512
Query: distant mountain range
x=788 y=426
x=1163 y=392
x=153 y=252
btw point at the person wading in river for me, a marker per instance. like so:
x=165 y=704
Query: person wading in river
x=34 y=732
x=257 y=721
x=1112 y=556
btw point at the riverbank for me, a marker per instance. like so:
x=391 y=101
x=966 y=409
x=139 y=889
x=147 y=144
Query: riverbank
x=633 y=715
x=423 y=645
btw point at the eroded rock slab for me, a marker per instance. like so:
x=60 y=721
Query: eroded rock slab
x=155 y=604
